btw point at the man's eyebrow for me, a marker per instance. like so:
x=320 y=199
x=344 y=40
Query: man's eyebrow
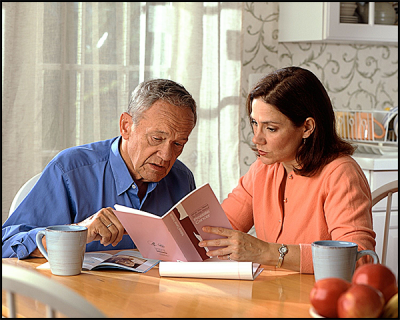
x=166 y=133
x=157 y=132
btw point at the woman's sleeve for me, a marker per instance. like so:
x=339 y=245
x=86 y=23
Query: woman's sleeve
x=348 y=211
x=238 y=206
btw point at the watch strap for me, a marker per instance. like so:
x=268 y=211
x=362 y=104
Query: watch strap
x=283 y=250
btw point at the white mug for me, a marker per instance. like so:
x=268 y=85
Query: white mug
x=66 y=246
x=337 y=259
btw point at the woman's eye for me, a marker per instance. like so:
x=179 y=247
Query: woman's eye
x=271 y=129
x=253 y=122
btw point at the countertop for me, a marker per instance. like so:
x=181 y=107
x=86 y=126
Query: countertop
x=369 y=161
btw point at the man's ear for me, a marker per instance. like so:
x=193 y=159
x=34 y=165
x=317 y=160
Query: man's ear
x=309 y=126
x=125 y=125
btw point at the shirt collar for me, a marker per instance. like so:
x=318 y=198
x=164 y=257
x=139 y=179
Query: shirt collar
x=123 y=179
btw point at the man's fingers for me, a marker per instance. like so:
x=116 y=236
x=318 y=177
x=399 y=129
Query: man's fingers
x=105 y=227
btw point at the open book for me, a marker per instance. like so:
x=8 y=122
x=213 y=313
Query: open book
x=175 y=235
x=125 y=260
x=211 y=268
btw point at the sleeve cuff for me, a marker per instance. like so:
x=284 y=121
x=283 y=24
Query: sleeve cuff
x=26 y=245
x=306 y=264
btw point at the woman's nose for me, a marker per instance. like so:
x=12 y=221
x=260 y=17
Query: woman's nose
x=258 y=137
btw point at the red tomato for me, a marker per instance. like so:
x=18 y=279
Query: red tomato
x=360 y=301
x=325 y=293
x=378 y=276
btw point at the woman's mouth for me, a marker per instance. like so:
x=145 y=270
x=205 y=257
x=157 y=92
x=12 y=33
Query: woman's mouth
x=261 y=153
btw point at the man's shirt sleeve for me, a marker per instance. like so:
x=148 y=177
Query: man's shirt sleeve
x=46 y=204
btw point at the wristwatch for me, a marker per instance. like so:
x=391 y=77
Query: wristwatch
x=282 y=252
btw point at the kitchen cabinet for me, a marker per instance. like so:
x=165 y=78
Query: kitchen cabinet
x=320 y=22
x=380 y=170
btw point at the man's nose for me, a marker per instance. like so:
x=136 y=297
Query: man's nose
x=166 y=152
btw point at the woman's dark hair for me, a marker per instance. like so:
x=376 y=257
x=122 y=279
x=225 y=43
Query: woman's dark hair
x=298 y=94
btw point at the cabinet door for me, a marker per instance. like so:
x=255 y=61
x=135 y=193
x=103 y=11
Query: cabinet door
x=320 y=22
x=392 y=256
x=300 y=21
x=359 y=32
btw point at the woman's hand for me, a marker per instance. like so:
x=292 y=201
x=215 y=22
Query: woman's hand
x=236 y=245
x=240 y=246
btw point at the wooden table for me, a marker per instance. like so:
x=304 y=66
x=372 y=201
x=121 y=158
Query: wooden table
x=117 y=293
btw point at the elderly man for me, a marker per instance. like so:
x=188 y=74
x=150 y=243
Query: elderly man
x=138 y=169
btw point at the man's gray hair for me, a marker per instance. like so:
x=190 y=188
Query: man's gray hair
x=149 y=92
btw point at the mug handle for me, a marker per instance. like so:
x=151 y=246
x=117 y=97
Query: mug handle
x=39 y=243
x=377 y=136
x=371 y=253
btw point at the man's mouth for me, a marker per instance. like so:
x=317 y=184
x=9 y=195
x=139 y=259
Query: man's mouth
x=157 y=167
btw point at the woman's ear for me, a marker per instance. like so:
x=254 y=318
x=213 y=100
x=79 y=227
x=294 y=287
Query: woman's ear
x=125 y=125
x=309 y=126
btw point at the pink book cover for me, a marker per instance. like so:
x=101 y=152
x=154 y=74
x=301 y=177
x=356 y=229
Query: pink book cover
x=175 y=236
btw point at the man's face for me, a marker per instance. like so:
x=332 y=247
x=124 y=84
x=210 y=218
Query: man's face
x=150 y=148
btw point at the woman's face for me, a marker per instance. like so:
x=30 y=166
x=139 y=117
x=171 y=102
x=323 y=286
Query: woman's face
x=275 y=136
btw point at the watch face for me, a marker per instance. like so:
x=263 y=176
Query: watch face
x=283 y=250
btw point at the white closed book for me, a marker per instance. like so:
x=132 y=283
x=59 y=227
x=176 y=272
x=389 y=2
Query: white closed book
x=211 y=268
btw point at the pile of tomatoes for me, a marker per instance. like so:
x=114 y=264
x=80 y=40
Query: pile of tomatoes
x=370 y=289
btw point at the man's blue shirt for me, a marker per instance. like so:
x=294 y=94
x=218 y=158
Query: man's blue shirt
x=77 y=183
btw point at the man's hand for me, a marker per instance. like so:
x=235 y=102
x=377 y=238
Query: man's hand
x=104 y=226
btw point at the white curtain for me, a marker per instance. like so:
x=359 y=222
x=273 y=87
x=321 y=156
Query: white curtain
x=68 y=69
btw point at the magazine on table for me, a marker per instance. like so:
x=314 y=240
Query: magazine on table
x=211 y=268
x=175 y=235
x=125 y=260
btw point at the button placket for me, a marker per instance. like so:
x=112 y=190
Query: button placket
x=290 y=177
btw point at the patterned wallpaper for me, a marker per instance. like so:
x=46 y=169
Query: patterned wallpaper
x=356 y=76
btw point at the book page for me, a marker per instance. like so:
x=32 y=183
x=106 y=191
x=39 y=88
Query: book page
x=184 y=234
x=204 y=209
x=135 y=211
x=92 y=259
x=151 y=236
x=127 y=260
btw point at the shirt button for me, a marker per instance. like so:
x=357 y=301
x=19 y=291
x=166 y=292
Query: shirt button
x=285 y=200
x=133 y=186
x=290 y=177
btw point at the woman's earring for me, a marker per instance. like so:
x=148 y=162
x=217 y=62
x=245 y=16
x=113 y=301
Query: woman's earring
x=304 y=140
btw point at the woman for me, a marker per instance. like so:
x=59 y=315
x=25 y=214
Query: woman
x=304 y=185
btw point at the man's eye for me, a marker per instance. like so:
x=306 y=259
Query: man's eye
x=155 y=140
x=253 y=122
